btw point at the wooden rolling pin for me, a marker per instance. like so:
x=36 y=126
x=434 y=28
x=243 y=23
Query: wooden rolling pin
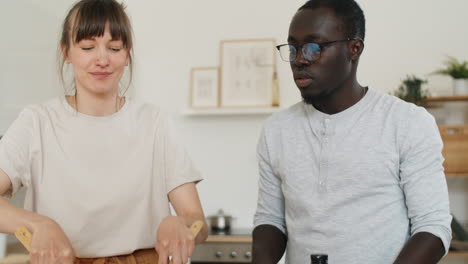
x=25 y=236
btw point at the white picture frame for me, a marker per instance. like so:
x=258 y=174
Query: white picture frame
x=246 y=72
x=204 y=91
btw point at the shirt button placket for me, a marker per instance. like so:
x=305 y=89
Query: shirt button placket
x=324 y=157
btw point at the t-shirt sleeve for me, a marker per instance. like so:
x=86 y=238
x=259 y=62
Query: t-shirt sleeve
x=270 y=204
x=172 y=157
x=422 y=177
x=15 y=148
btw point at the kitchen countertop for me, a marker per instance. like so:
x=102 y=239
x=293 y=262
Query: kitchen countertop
x=16 y=254
x=231 y=236
x=229 y=239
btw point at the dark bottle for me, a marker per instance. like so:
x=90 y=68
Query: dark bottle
x=319 y=259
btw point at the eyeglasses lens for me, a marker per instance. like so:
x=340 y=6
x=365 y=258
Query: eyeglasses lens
x=310 y=51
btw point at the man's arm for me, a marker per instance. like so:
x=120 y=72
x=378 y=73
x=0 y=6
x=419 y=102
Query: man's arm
x=269 y=244
x=269 y=239
x=422 y=248
x=424 y=185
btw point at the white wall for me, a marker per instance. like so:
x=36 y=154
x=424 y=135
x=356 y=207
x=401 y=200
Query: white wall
x=27 y=54
x=175 y=36
x=403 y=37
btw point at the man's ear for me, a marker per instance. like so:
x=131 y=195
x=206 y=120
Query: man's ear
x=356 y=47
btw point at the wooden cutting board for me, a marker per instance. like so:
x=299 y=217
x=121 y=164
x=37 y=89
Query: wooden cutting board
x=455 y=148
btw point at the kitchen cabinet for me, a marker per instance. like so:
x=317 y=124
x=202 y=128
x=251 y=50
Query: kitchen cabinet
x=454 y=133
x=228 y=247
x=450 y=98
x=455 y=152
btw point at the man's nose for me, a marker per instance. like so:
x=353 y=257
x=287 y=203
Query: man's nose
x=300 y=58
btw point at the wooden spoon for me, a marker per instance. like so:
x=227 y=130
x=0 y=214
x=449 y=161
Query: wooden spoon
x=25 y=236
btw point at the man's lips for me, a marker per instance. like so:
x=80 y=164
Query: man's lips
x=303 y=82
x=302 y=79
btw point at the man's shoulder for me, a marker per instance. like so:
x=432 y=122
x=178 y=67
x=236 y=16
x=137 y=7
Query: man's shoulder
x=393 y=106
x=401 y=113
x=290 y=114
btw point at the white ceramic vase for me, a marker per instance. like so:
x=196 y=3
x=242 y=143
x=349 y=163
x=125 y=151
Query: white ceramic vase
x=460 y=86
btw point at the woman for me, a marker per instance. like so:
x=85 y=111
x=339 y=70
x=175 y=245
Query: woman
x=100 y=170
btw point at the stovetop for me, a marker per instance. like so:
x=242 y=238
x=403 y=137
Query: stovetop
x=230 y=246
x=231 y=232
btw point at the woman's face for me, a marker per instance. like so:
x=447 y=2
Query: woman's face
x=98 y=64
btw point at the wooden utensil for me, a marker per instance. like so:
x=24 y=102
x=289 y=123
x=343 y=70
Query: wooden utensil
x=25 y=236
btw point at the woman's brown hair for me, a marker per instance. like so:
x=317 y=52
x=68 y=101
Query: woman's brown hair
x=87 y=19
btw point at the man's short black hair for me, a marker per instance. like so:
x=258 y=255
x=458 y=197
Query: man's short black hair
x=351 y=13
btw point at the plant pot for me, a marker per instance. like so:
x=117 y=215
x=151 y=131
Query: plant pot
x=460 y=86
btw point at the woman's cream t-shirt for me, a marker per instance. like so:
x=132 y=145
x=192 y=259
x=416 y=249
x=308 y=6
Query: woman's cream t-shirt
x=105 y=180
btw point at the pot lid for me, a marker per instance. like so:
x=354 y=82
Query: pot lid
x=220 y=213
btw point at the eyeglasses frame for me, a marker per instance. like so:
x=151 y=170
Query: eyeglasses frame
x=322 y=45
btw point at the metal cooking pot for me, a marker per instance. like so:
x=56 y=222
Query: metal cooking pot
x=220 y=221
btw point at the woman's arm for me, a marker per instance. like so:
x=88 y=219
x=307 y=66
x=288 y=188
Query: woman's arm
x=13 y=217
x=187 y=205
x=174 y=237
x=49 y=243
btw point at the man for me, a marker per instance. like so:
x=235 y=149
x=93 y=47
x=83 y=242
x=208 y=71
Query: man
x=349 y=172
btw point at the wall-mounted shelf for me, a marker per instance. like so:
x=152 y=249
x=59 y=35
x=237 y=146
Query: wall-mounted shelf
x=230 y=111
x=458 y=254
x=456 y=174
x=449 y=98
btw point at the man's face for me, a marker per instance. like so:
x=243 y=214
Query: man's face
x=319 y=77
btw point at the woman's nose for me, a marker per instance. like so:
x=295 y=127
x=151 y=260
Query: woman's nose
x=102 y=58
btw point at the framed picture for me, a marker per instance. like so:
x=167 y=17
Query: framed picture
x=247 y=69
x=204 y=87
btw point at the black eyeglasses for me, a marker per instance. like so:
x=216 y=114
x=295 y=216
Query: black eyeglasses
x=311 y=51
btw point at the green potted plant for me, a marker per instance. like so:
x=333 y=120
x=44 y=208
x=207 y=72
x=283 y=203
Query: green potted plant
x=458 y=70
x=411 y=90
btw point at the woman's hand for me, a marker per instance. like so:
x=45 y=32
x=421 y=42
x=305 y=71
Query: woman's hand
x=50 y=245
x=174 y=239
